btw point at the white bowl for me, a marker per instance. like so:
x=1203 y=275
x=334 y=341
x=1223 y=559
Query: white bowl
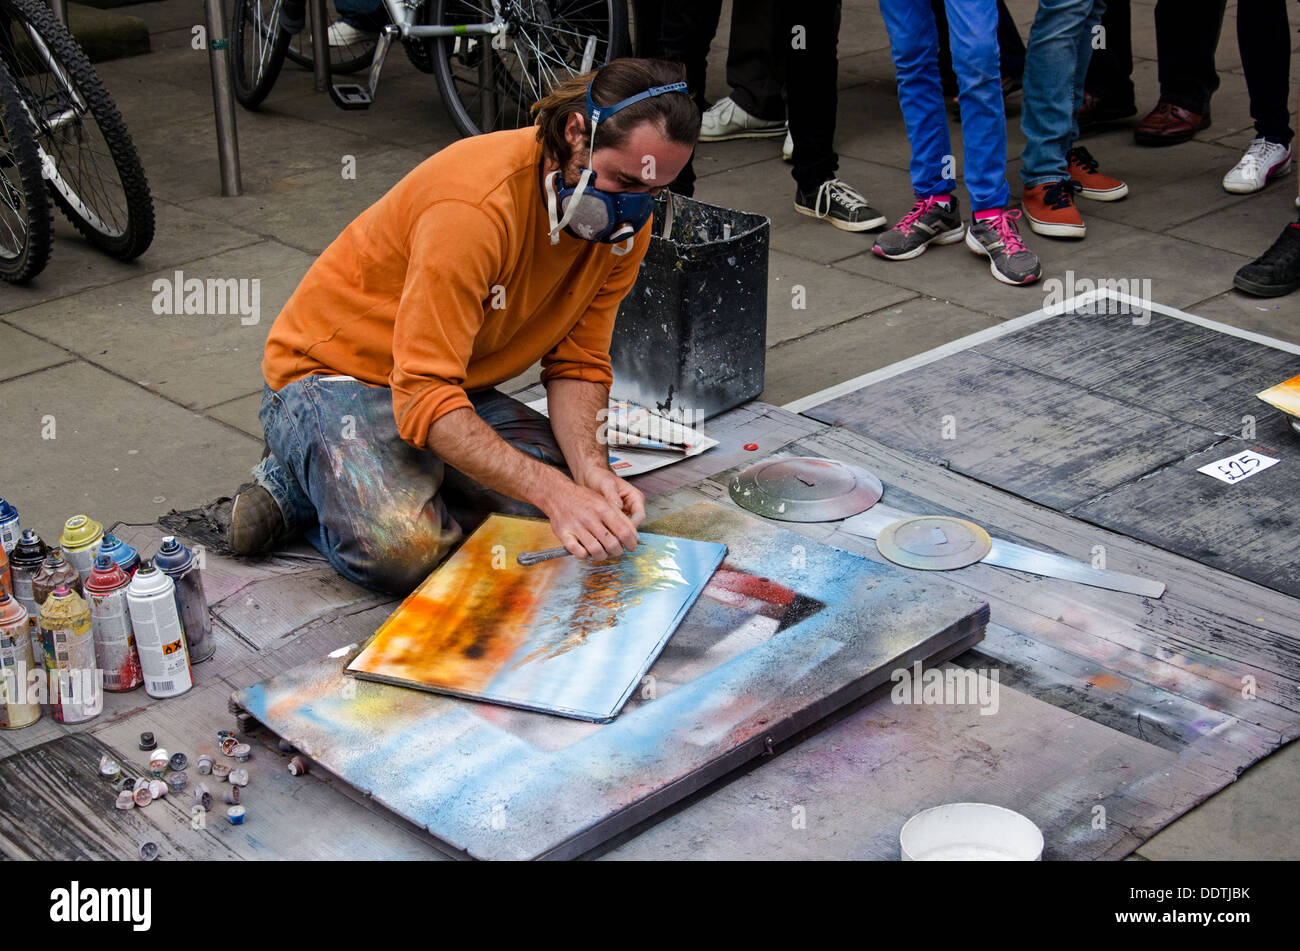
x=970 y=831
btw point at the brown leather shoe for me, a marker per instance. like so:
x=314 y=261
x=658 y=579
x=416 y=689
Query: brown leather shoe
x=1168 y=124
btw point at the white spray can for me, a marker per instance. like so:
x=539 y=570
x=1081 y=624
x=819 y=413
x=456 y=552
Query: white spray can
x=159 y=637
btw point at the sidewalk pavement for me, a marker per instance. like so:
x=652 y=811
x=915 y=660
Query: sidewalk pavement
x=151 y=412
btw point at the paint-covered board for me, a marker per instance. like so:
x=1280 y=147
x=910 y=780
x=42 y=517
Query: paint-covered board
x=566 y=636
x=787 y=631
x=1107 y=418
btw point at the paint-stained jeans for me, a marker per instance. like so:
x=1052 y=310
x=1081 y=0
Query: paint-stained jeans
x=383 y=512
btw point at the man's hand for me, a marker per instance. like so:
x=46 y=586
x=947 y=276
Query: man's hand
x=619 y=493
x=587 y=523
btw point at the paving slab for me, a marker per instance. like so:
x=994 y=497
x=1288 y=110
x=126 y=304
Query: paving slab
x=240 y=412
x=119 y=452
x=1271 y=316
x=195 y=360
x=182 y=236
x=803 y=297
x=1246 y=227
x=24 y=353
x=310 y=210
x=858 y=346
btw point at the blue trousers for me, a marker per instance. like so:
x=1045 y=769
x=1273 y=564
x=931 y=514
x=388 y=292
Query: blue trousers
x=1056 y=64
x=914 y=45
x=383 y=512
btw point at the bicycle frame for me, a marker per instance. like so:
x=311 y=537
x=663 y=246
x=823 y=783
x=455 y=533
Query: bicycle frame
x=403 y=17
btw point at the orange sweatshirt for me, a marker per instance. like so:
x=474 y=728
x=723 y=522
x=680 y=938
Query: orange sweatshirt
x=450 y=283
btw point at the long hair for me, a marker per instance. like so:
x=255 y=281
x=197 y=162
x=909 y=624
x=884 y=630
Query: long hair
x=676 y=114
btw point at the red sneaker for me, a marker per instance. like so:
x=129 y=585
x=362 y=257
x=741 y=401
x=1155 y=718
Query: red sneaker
x=1092 y=183
x=1050 y=210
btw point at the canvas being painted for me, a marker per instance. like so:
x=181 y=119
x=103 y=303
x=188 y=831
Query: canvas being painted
x=566 y=636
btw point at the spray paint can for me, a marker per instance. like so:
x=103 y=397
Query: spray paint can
x=6 y=579
x=111 y=623
x=159 y=637
x=70 y=656
x=81 y=539
x=54 y=571
x=16 y=662
x=9 y=526
x=183 y=568
x=126 y=556
x=23 y=565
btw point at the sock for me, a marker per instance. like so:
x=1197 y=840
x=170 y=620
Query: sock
x=945 y=200
x=987 y=213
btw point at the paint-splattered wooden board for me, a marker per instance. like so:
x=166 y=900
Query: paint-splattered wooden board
x=1144 y=707
x=1107 y=420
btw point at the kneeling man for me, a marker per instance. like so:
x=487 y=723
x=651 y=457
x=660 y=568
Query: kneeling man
x=386 y=440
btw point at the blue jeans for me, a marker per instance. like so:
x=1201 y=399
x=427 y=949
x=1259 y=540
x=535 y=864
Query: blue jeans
x=362 y=14
x=1056 y=63
x=383 y=512
x=914 y=45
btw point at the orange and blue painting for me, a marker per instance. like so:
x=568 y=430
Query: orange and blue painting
x=566 y=636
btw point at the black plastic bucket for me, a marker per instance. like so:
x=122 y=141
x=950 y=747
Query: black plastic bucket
x=691 y=335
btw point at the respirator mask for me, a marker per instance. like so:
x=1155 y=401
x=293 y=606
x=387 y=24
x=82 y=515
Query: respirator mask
x=591 y=213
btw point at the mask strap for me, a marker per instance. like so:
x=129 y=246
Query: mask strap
x=623 y=247
x=558 y=226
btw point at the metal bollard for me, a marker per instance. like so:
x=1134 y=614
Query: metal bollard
x=223 y=97
x=60 y=8
x=320 y=40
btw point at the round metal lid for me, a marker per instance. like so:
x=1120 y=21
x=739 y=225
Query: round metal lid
x=933 y=542
x=806 y=489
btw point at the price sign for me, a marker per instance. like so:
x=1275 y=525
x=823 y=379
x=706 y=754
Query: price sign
x=1242 y=465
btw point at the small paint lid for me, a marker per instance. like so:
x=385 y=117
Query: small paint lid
x=80 y=531
x=106 y=575
x=61 y=591
x=147 y=741
x=125 y=555
x=54 y=558
x=172 y=557
x=148 y=580
x=148 y=851
x=236 y=815
x=29 y=552
x=238 y=777
x=11 y=611
x=125 y=799
x=178 y=761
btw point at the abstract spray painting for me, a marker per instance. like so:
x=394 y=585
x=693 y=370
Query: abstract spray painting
x=565 y=636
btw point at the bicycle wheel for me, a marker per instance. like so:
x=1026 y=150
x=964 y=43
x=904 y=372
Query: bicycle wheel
x=25 y=216
x=257 y=49
x=90 y=164
x=486 y=88
x=347 y=58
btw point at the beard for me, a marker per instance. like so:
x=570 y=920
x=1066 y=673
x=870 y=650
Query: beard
x=573 y=168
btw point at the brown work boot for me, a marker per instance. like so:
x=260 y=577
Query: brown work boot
x=1092 y=182
x=256 y=523
x=1051 y=211
x=1168 y=124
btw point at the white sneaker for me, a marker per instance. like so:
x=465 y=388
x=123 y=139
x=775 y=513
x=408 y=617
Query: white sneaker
x=1261 y=162
x=787 y=150
x=726 y=120
x=345 y=34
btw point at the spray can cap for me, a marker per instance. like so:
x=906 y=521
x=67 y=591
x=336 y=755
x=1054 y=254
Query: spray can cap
x=7 y=511
x=103 y=562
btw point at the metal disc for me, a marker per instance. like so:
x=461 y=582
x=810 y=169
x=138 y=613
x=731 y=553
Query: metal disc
x=933 y=542
x=806 y=489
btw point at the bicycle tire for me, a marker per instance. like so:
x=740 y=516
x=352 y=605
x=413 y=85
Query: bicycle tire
x=343 y=60
x=123 y=233
x=23 y=201
x=253 y=78
x=560 y=46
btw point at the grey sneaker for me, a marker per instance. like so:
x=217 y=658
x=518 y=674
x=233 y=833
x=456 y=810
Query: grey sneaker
x=725 y=120
x=256 y=524
x=929 y=222
x=998 y=239
x=840 y=204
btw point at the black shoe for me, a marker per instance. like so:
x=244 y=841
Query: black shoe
x=840 y=204
x=1277 y=270
x=1098 y=110
x=256 y=523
